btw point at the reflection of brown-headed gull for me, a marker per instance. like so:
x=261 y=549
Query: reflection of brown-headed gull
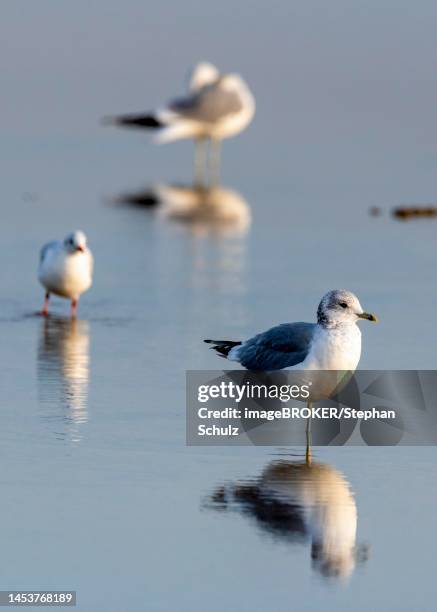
x=216 y=108
x=63 y=369
x=66 y=269
x=291 y=500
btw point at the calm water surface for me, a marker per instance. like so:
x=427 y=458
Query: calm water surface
x=99 y=492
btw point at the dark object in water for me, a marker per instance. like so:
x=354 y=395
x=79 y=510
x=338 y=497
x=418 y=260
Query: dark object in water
x=412 y=212
x=374 y=211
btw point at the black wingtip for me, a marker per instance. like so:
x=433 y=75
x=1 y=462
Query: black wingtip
x=222 y=347
x=135 y=120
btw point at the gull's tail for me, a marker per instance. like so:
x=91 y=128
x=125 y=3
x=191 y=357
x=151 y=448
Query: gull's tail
x=223 y=347
x=139 y=120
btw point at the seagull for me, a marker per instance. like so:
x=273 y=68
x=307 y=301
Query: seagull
x=333 y=343
x=218 y=106
x=66 y=269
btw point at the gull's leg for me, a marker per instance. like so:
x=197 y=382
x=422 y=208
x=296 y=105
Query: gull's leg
x=308 y=436
x=199 y=161
x=214 y=161
x=45 y=308
x=74 y=303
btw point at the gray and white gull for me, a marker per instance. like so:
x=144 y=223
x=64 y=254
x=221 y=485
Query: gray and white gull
x=217 y=106
x=333 y=343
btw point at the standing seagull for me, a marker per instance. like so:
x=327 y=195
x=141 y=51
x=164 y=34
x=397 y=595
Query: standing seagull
x=66 y=269
x=333 y=343
x=218 y=106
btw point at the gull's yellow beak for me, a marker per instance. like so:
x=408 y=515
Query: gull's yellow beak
x=368 y=316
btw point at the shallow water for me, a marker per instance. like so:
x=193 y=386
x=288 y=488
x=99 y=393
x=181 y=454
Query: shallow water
x=100 y=493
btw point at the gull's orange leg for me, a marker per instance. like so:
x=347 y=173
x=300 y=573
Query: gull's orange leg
x=45 y=308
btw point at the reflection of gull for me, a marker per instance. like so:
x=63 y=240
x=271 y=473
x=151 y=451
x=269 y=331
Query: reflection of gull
x=63 y=368
x=218 y=106
x=295 y=499
x=204 y=208
x=213 y=206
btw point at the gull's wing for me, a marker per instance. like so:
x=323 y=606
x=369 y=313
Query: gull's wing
x=210 y=104
x=90 y=261
x=280 y=347
x=53 y=244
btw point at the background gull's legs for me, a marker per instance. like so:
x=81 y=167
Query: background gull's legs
x=214 y=161
x=199 y=161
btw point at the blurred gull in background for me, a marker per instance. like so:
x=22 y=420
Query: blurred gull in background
x=217 y=106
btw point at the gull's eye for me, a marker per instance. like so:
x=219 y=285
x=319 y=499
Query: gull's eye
x=343 y=304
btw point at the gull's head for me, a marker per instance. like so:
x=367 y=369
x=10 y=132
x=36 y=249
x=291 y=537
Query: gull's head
x=202 y=74
x=233 y=82
x=339 y=307
x=76 y=241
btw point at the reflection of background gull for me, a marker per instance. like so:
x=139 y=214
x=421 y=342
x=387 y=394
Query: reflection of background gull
x=207 y=209
x=63 y=370
x=294 y=500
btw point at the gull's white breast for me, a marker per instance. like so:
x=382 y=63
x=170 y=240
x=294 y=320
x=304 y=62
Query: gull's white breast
x=66 y=274
x=337 y=348
x=234 y=123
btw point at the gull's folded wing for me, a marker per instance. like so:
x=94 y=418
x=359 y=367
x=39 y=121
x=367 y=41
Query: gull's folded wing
x=280 y=347
x=209 y=105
